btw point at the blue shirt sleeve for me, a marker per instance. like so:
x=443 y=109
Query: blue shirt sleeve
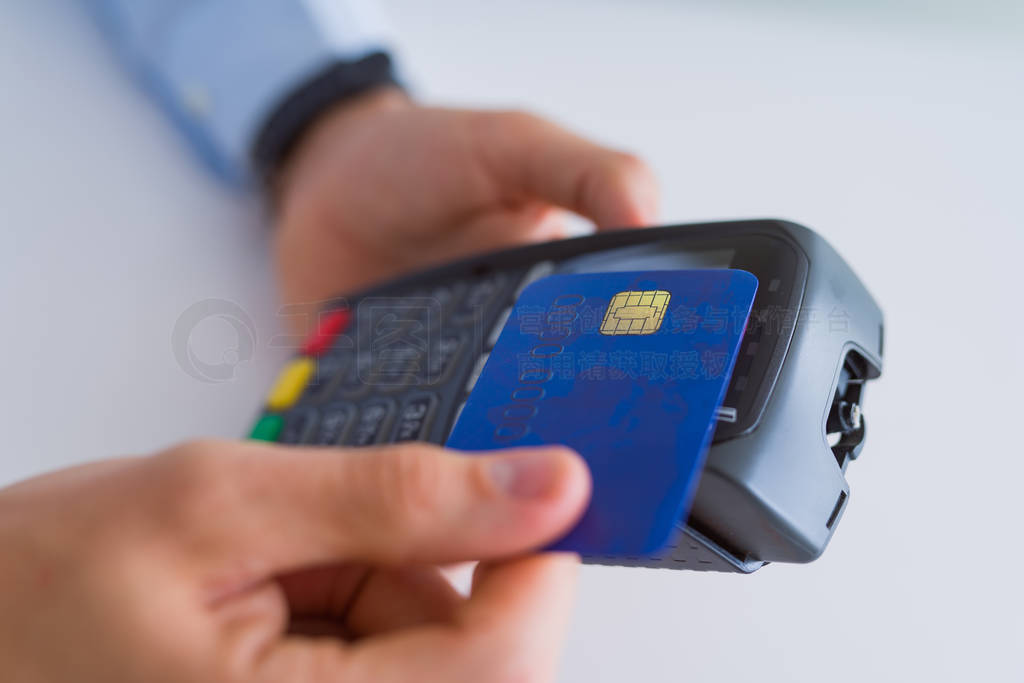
x=221 y=66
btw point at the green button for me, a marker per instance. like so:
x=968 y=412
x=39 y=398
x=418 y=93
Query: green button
x=267 y=428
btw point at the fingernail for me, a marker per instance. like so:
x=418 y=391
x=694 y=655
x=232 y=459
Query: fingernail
x=528 y=474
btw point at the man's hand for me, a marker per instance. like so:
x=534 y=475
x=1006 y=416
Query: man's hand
x=381 y=186
x=223 y=562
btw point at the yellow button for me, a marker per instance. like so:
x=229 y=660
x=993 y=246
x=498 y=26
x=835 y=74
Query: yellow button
x=290 y=383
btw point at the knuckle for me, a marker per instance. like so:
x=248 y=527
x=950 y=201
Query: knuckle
x=412 y=478
x=498 y=651
x=517 y=670
x=520 y=117
x=627 y=164
x=511 y=121
x=512 y=667
x=194 y=479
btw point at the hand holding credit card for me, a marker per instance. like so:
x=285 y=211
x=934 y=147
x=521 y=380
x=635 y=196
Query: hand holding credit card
x=629 y=370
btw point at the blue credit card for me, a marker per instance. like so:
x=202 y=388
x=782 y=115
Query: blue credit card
x=629 y=370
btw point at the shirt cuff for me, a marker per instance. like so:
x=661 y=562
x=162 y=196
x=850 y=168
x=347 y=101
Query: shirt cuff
x=232 y=66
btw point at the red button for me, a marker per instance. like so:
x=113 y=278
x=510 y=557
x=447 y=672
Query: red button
x=328 y=328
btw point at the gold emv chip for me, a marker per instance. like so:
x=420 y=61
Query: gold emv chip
x=635 y=312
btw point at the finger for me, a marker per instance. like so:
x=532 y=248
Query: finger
x=511 y=629
x=367 y=601
x=497 y=228
x=536 y=159
x=533 y=222
x=323 y=591
x=354 y=602
x=503 y=228
x=246 y=511
x=340 y=602
x=402 y=598
x=530 y=601
x=317 y=627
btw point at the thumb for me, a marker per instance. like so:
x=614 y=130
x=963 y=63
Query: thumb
x=280 y=508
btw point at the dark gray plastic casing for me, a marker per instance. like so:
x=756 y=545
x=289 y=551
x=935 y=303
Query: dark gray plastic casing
x=772 y=492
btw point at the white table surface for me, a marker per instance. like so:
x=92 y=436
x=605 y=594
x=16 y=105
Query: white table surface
x=900 y=141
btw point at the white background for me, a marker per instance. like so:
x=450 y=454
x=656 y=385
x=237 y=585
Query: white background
x=897 y=131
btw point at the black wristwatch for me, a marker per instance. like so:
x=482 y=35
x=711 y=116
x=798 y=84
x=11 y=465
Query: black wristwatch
x=285 y=125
